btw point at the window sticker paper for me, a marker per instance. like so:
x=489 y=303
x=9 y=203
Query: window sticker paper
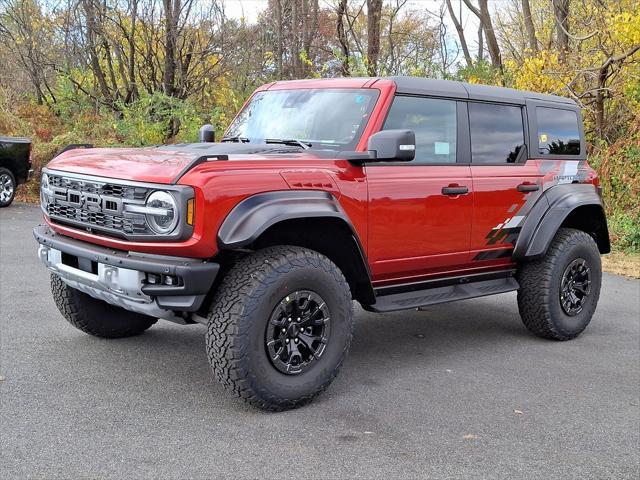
x=441 y=148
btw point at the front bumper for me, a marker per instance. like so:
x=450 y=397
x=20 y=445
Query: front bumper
x=123 y=278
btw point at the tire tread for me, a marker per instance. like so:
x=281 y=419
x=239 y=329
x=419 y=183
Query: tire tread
x=535 y=286
x=227 y=338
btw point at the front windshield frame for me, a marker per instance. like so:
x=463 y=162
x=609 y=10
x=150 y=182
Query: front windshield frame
x=368 y=98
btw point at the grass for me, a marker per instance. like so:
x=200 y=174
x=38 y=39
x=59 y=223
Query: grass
x=622 y=263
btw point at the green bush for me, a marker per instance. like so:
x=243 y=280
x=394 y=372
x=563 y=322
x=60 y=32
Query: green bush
x=624 y=230
x=618 y=166
x=157 y=119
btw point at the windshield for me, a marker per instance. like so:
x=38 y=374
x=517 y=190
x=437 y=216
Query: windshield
x=321 y=118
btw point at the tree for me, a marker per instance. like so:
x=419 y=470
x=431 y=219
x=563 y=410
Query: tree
x=460 y=30
x=374 y=13
x=171 y=16
x=590 y=55
x=561 y=16
x=25 y=30
x=109 y=56
x=343 y=40
x=487 y=27
x=529 y=26
x=609 y=67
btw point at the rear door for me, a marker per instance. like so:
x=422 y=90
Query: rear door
x=506 y=184
x=420 y=211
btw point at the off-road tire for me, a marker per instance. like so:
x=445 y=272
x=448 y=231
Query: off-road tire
x=96 y=317
x=239 y=317
x=539 y=294
x=6 y=173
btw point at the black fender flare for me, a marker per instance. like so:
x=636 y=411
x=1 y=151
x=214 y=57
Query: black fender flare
x=251 y=217
x=255 y=214
x=549 y=213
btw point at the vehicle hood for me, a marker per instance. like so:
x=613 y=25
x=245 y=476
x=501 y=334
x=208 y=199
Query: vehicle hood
x=162 y=164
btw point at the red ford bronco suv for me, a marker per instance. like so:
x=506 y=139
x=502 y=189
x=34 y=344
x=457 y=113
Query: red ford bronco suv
x=395 y=192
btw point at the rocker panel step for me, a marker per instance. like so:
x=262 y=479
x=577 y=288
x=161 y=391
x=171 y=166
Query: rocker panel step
x=449 y=293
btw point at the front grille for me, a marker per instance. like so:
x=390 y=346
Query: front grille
x=99 y=188
x=109 y=207
x=97 y=206
x=101 y=220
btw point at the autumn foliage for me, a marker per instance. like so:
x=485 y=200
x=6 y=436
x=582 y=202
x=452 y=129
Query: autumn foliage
x=140 y=72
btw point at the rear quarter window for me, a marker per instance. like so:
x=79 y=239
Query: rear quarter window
x=497 y=133
x=558 y=131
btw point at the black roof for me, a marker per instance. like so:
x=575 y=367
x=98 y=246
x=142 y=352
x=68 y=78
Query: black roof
x=471 y=91
x=14 y=139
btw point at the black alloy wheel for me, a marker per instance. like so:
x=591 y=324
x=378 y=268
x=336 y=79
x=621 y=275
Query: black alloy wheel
x=298 y=331
x=575 y=286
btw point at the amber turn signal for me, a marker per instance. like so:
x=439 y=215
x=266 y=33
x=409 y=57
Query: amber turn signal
x=190 y=212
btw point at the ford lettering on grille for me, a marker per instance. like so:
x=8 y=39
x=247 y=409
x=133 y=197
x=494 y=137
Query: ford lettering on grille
x=94 y=202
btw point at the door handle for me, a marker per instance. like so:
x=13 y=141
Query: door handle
x=528 y=187
x=455 y=190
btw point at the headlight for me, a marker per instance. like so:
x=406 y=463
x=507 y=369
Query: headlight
x=161 y=212
x=44 y=188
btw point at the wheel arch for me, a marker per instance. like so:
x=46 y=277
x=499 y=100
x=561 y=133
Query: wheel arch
x=304 y=218
x=572 y=205
x=590 y=218
x=11 y=168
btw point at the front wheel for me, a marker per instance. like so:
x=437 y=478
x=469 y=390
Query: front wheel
x=96 y=317
x=280 y=327
x=558 y=293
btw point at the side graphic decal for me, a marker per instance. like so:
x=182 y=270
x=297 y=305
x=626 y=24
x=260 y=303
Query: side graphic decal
x=556 y=172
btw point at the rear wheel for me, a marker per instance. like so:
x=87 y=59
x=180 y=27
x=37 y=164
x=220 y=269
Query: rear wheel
x=96 y=317
x=280 y=327
x=559 y=292
x=7 y=187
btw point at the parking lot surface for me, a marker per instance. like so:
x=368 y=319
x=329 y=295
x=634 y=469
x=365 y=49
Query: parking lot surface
x=457 y=391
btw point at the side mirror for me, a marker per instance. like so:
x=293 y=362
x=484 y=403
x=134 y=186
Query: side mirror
x=386 y=146
x=207 y=133
x=392 y=146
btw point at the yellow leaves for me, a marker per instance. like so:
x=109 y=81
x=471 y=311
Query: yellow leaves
x=304 y=58
x=542 y=72
x=599 y=31
x=625 y=27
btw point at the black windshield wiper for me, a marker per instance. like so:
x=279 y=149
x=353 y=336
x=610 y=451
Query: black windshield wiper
x=289 y=141
x=235 y=138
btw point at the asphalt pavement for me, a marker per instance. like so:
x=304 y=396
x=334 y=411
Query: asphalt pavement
x=457 y=391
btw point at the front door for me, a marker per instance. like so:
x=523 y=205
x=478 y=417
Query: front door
x=420 y=211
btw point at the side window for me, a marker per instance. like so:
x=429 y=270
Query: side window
x=497 y=132
x=434 y=123
x=558 y=132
